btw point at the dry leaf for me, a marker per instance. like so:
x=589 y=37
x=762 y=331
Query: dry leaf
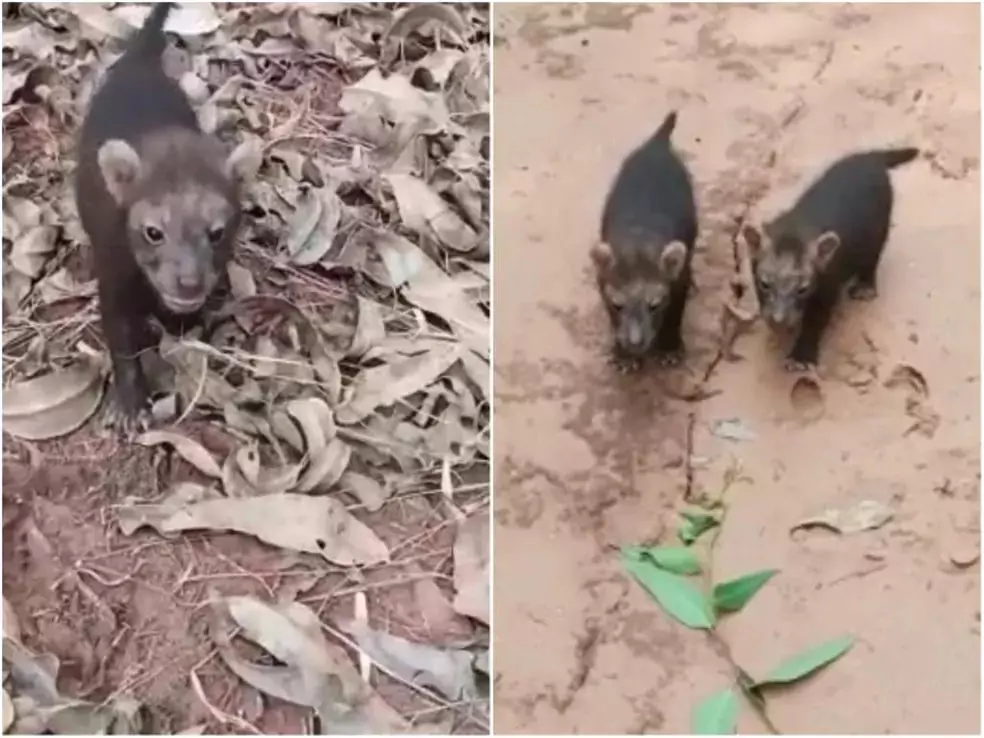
x=313 y=228
x=11 y=628
x=188 y=20
x=54 y=404
x=369 y=492
x=326 y=467
x=315 y=673
x=32 y=249
x=188 y=449
x=8 y=712
x=241 y=281
x=471 y=566
x=431 y=289
x=383 y=385
x=425 y=212
x=448 y=670
x=317 y=525
x=369 y=330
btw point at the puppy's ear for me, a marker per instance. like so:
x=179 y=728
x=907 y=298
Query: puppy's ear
x=753 y=240
x=601 y=255
x=822 y=249
x=244 y=161
x=672 y=260
x=120 y=166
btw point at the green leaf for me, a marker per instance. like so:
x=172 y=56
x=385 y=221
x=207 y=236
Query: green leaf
x=694 y=525
x=678 y=597
x=674 y=559
x=734 y=595
x=808 y=662
x=716 y=714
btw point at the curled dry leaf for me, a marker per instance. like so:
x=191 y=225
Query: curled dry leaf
x=864 y=515
x=370 y=328
x=241 y=281
x=397 y=100
x=316 y=525
x=53 y=404
x=425 y=212
x=8 y=712
x=313 y=227
x=369 y=492
x=316 y=421
x=326 y=467
x=471 y=566
x=11 y=627
x=188 y=449
x=430 y=288
x=186 y=19
x=234 y=481
x=383 y=385
x=447 y=670
x=315 y=673
x=32 y=249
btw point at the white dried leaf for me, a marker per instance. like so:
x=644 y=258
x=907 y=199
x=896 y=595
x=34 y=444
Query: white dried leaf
x=370 y=328
x=314 y=226
x=430 y=288
x=53 y=404
x=326 y=467
x=472 y=575
x=315 y=525
x=63 y=286
x=315 y=673
x=368 y=491
x=187 y=448
x=11 y=627
x=398 y=100
x=448 y=670
x=425 y=212
x=186 y=19
x=381 y=386
x=241 y=281
x=32 y=249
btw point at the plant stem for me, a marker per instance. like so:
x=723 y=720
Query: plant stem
x=742 y=679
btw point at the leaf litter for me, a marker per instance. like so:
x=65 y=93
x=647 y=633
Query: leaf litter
x=344 y=385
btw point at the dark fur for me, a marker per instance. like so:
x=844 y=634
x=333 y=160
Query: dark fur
x=138 y=104
x=648 y=230
x=834 y=235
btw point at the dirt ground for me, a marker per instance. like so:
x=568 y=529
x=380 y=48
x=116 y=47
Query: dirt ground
x=586 y=461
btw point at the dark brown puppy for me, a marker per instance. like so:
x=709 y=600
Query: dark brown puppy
x=648 y=230
x=159 y=200
x=834 y=235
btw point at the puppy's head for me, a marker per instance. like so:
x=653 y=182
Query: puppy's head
x=180 y=195
x=635 y=285
x=787 y=269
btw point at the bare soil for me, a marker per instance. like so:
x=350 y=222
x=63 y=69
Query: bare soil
x=129 y=615
x=587 y=461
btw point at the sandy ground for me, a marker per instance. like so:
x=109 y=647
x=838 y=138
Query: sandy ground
x=586 y=461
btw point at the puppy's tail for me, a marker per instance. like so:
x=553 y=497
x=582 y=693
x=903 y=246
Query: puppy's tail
x=665 y=129
x=897 y=157
x=149 y=42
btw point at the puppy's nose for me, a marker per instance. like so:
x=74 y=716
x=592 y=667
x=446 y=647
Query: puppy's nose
x=189 y=285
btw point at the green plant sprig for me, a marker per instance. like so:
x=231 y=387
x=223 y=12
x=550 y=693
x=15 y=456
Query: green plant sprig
x=663 y=572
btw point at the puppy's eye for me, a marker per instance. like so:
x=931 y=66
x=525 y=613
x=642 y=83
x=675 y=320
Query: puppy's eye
x=215 y=234
x=616 y=300
x=153 y=234
x=803 y=290
x=764 y=282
